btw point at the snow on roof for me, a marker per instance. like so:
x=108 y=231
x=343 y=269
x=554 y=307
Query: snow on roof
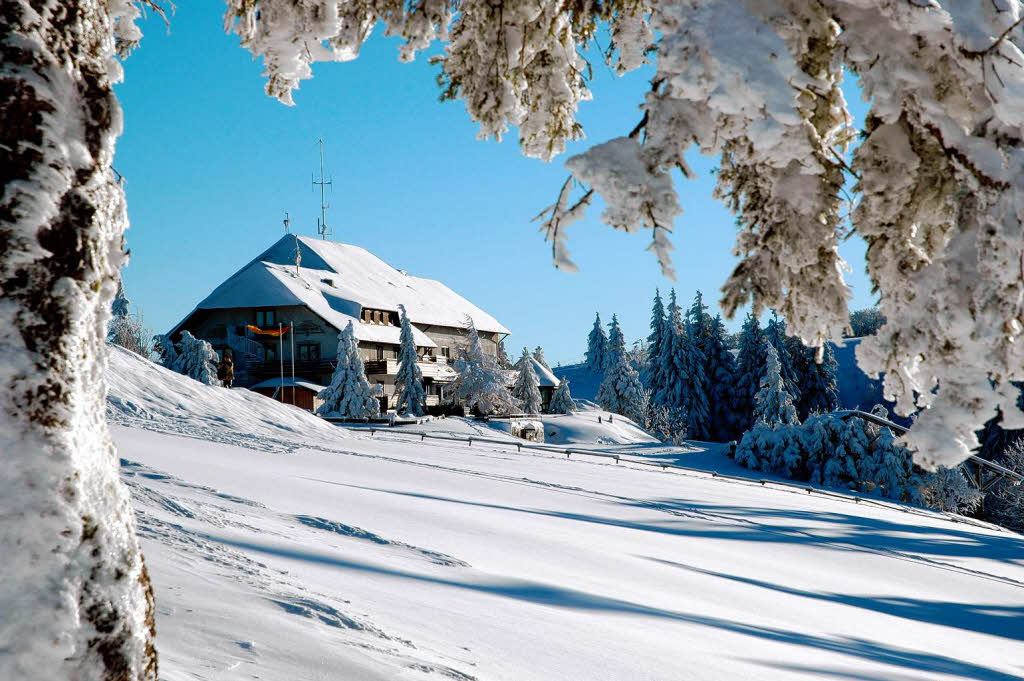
x=336 y=281
x=265 y=284
x=288 y=383
x=365 y=279
x=546 y=377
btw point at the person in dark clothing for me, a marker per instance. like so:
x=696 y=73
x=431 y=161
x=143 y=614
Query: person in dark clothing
x=226 y=371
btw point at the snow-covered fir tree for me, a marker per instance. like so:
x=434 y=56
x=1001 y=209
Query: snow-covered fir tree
x=750 y=365
x=597 y=346
x=775 y=332
x=196 y=359
x=1004 y=502
x=616 y=346
x=166 y=351
x=622 y=392
x=695 y=363
x=652 y=373
x=480 y=384
x=772 y=403
x=672 y=361
x=350 y=394
x=561 y=401
x=538 y=354
x=893 y=474
x=503 y=360
x=411 y=397
x=121 y=306
x=527 y=387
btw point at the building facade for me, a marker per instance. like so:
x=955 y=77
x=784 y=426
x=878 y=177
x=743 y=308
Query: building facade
x=286 y=307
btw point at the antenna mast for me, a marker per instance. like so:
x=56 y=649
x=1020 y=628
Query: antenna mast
x=321 y=224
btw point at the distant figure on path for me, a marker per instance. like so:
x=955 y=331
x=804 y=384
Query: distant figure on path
x=226 y=370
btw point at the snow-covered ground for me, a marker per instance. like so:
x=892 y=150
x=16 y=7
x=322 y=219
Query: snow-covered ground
x=282 y=548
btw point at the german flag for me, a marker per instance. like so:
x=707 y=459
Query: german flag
x=267 y=332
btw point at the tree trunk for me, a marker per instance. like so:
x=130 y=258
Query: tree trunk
x=75 y=598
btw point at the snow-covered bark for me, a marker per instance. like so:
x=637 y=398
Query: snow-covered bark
x=75 y=597
x=527 y=386
x=350 y=394
x=411 y=398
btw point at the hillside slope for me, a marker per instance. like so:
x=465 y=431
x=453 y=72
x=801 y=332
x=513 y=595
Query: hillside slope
x=295 y=553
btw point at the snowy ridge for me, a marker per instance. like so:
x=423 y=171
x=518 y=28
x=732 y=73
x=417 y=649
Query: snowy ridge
x=146 y=395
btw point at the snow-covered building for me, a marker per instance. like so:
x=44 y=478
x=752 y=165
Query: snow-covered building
x=311 y=289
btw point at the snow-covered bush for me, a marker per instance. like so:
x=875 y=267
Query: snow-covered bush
x=349 y=395
x=411 y=398
x=946 y=489
x=1004 y=502
x=527 y=386
x=665 y=423
x=480 y=384
x=196 y=359
x=127 y=330
x=561 y=401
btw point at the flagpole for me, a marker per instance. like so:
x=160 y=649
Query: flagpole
x=280 y=355
x=291 y=326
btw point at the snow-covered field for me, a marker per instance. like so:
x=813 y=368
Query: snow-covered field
x=282 y=548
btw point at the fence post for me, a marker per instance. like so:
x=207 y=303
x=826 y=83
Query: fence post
x=470 y=442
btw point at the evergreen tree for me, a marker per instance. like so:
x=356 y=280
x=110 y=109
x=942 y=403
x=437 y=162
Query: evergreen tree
x=621 y=391
x=561 y=401
x=695 y=362
x=503 y=360
x=946 y=489
x=197 y=359
x=527 y=387
x=772 y=404
x=672 y=392
x=480 y=384
x=721 y=371
x=750 y=366
x=819 y=390
x=616 y=346
x=775 y=332
x=412 y=398
x=120 y=307
x=652 y=373
x=350 y=394
x=538 y=354
x=166 y=351
x=894 y=467
x=597 y=346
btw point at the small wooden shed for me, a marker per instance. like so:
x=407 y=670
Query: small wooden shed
x=300 y=392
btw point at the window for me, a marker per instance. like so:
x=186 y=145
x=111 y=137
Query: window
x=308 y=351
x=380 y=352
x=446 y=351
x=270 y=352
x=266 y=318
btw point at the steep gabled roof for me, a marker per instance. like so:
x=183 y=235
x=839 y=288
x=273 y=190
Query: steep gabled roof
x=335 y=281
x=365 y=279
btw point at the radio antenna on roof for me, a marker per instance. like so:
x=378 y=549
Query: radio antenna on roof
x=321 y=224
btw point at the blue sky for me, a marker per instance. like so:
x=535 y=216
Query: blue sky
x=212 y=164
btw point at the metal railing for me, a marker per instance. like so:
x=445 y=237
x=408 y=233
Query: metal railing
x=850 y=497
